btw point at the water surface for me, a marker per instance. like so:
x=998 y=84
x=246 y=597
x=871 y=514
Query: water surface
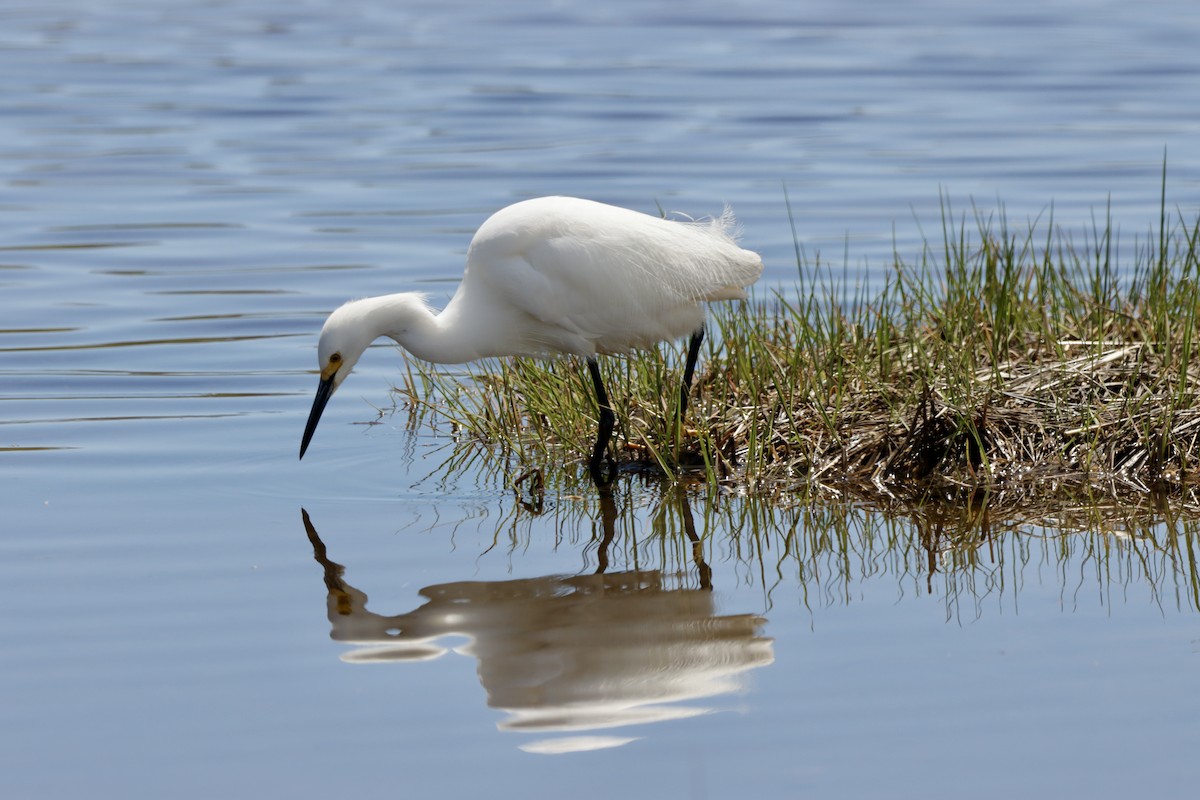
x=188 y=188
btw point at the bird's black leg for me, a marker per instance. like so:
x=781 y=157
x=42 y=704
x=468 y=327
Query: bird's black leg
x=688 y=370
x=607 y=420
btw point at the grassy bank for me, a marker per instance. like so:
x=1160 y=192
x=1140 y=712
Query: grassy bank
x=1020 y=360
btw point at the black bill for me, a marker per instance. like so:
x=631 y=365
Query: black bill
x=324 y=392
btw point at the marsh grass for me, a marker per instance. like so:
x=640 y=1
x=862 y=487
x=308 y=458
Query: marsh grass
x=1026 y=360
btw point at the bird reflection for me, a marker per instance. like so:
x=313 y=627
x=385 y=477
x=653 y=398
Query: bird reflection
x=565 y=655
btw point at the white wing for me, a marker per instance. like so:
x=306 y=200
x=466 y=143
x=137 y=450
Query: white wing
x=589 y=277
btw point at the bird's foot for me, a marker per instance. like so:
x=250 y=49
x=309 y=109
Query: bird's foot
x=604 y=471
x=535 y=491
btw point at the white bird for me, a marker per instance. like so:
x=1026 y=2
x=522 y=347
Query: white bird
x=550 y=276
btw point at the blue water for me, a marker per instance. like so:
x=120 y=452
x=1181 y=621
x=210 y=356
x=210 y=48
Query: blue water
x=186 y=189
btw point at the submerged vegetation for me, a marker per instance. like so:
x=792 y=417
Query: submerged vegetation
x=1023 y=363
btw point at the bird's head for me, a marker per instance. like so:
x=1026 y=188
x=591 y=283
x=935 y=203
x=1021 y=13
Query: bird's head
x=344 y=338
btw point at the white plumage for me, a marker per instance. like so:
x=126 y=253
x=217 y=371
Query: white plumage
x=587 y=278
x=554 y=275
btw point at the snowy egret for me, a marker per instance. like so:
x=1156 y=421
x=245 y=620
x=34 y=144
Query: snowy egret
x=556 y=275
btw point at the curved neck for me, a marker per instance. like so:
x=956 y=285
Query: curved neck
x=418 y=329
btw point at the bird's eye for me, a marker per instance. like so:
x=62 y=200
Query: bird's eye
x=336 y=358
